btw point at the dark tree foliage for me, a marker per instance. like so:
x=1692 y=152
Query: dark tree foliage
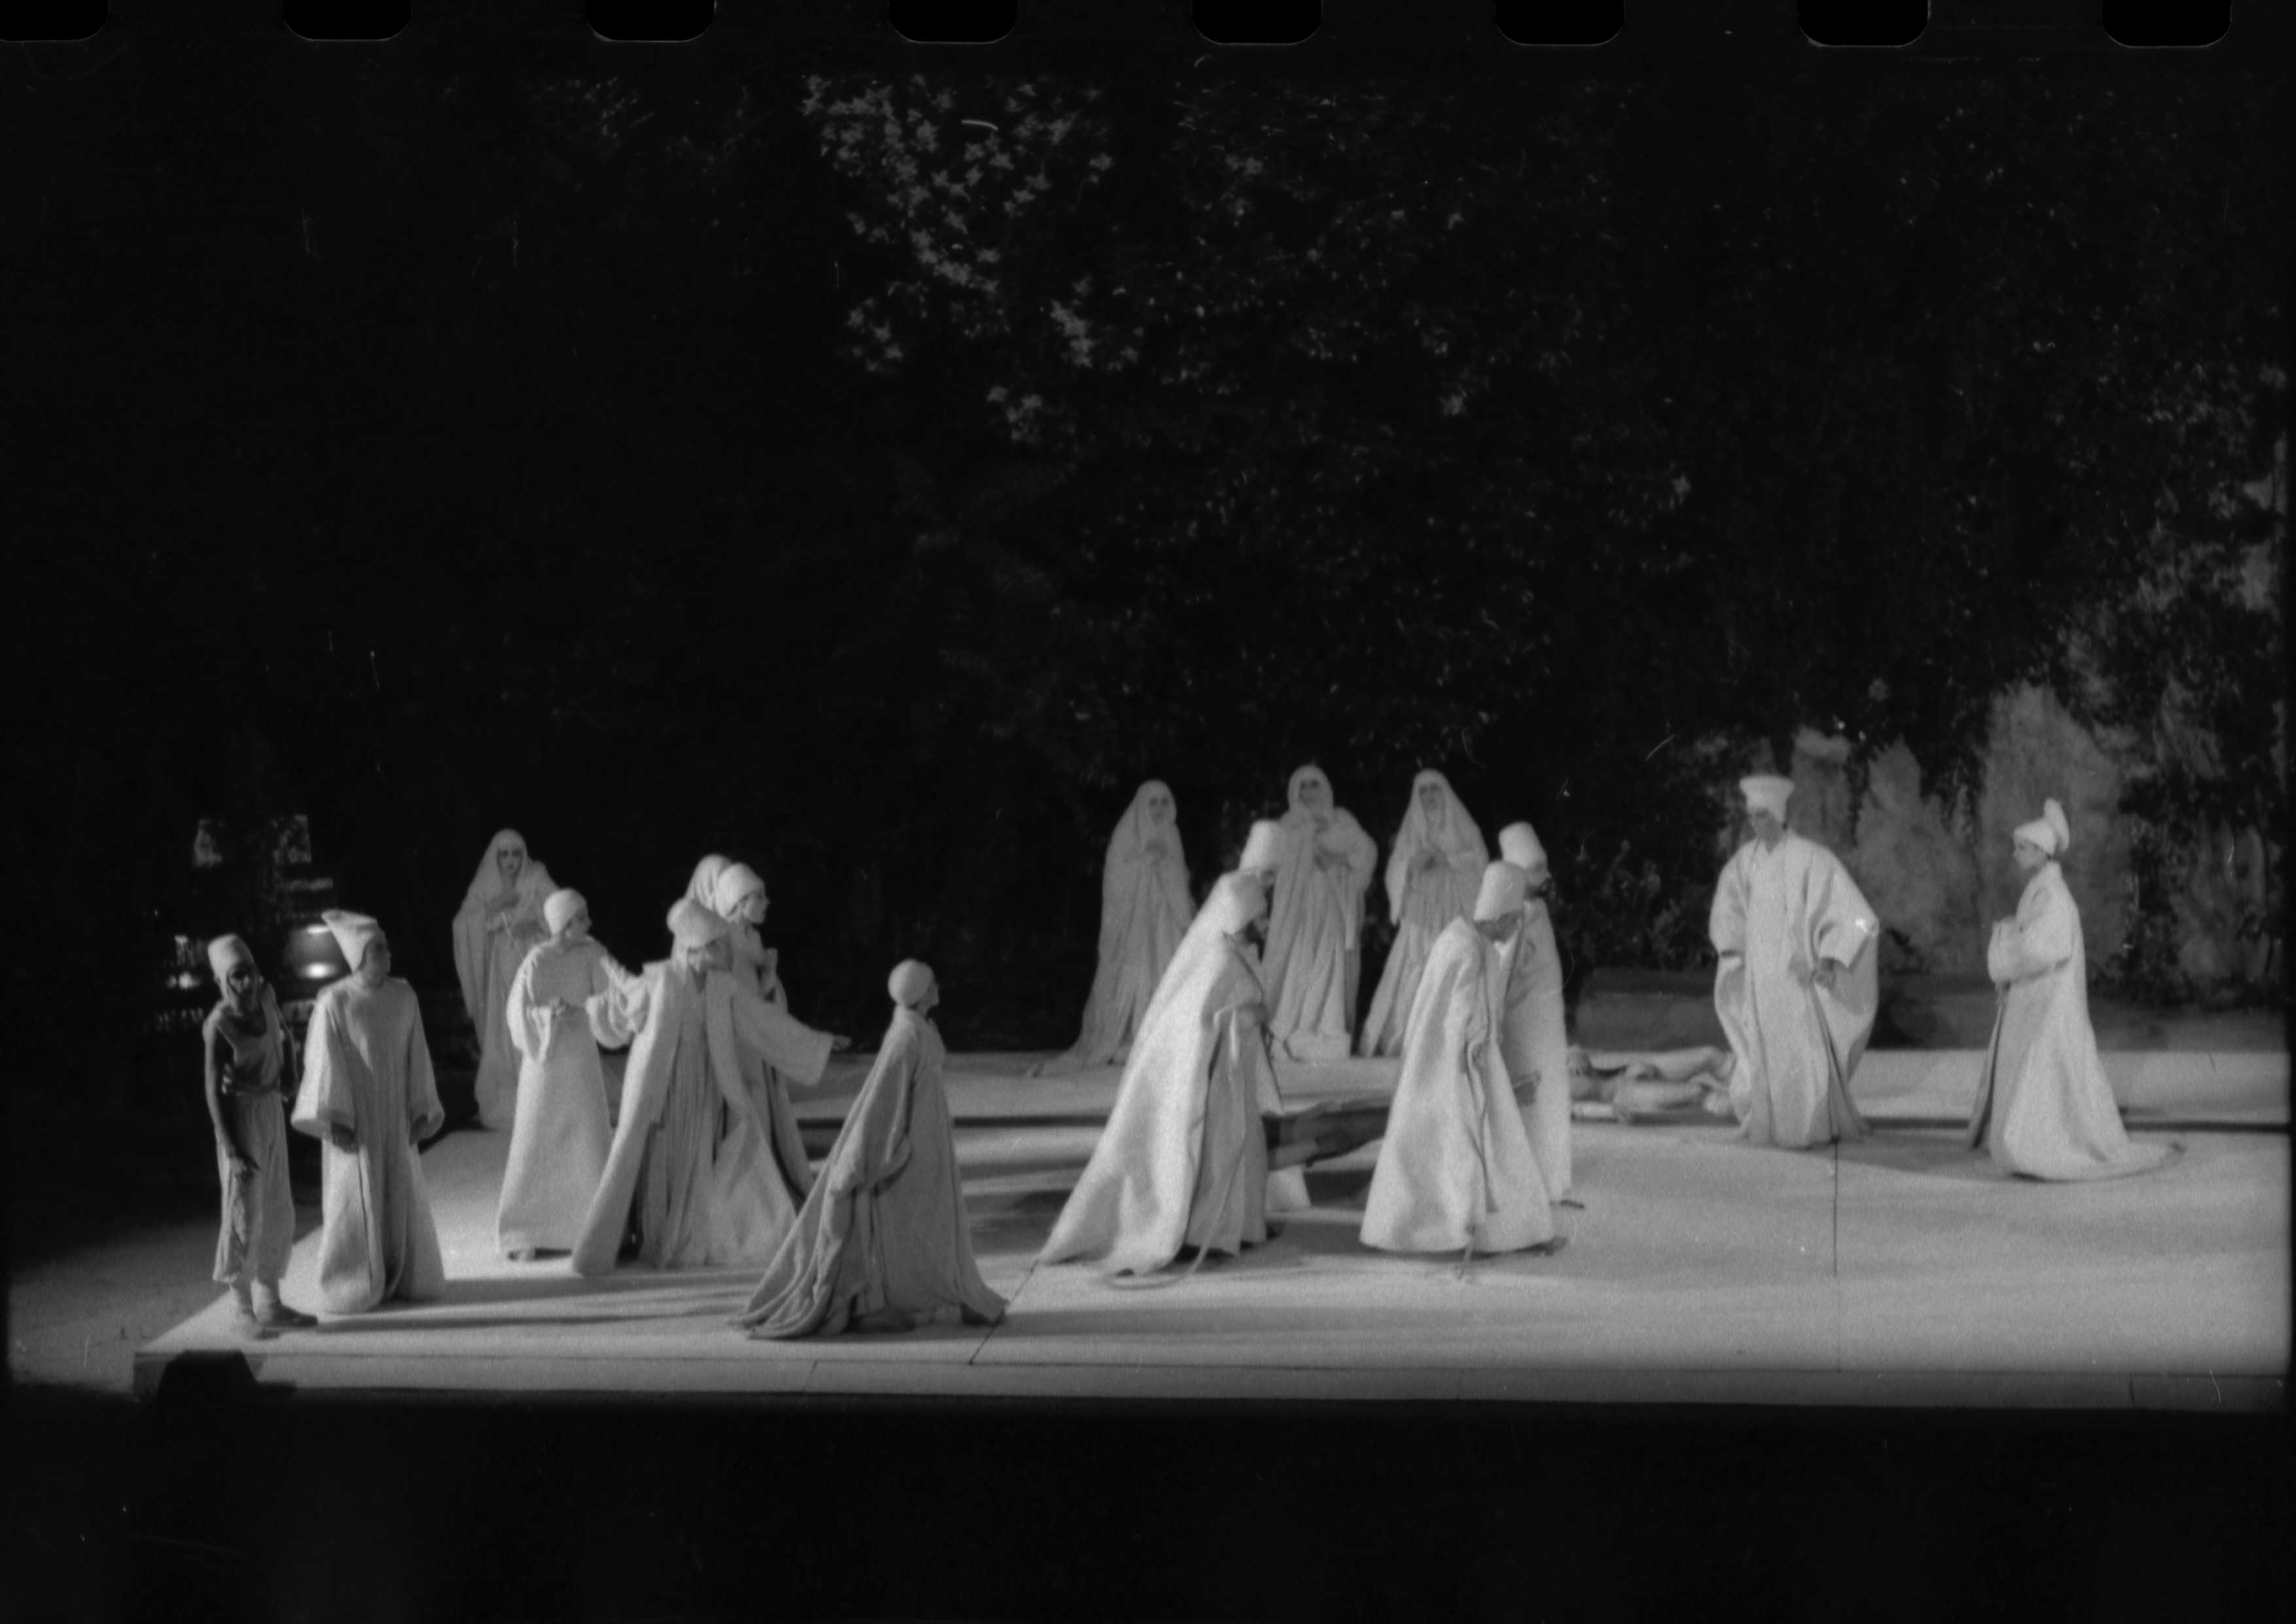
x=874 y=478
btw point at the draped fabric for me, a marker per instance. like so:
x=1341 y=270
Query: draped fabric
x=1536 y=1047
x=1456 y=1165
x=707 y=1177
x=2044 y=1106
x=249 y=1058
x=367 y=1067
x=1316 y=922
x=1183 y=1158
x=882 y=1242
x=1422 y=900
x=558 y=1144
x=1143 y=913
x=498 y=926
x=1776 y=914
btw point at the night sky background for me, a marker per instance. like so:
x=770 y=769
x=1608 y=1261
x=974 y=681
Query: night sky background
x=485 y=431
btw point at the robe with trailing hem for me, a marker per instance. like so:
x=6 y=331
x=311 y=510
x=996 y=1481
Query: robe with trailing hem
x=489 y=947
x=2044 y=1106
x=558 y=1144
x=1315 y=921
x=1534 y=1044
x=1184 y=1158
x=709 y=1177
x=1422 y=903
x=1777 y=913
x=881 y=1243
x=367 y=1067
x=1143 y=913
x=1457 y=1163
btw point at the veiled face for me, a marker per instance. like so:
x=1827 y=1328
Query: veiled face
x=375 y=963
x=509 y=862
x=2029 y=856
x=1501 y=931
x=1158 y=808
x=1314 y=794
x=1431 y=800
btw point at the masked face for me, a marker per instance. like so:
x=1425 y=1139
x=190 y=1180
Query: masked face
x=375 y=965
x=1314 y=794
x=240 y=986
x=1766 y=825
x=509 y=862
x=1431 y=800
x=1160 y=809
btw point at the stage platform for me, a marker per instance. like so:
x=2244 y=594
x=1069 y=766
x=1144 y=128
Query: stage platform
x=1901 y=1271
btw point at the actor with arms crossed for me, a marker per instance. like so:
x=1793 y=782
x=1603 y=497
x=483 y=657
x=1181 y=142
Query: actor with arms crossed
x=370 y=1097
x=1796 y=987
x=1312 y=963
x=2044 y=1107
x=245 y=1040
x=881 y=1243
x=1456 y=1172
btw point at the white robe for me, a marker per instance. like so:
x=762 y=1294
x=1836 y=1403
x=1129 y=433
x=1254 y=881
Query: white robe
x=1143 y=913
x=558 y=1144
x=1777 y=913
x=367 y=1068
x=713 y=1179
x=1314 y=923
x=1534 y=1044
x=1457 y=1163
x=489 y=947
x=1422 y=903
x=1184 y=1158
x=2044 y=1106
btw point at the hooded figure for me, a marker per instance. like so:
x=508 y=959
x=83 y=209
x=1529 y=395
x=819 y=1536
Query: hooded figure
x=702 y=888
x=245 y=1044
x=500 y=921
x=1143 y=913
x=737 y=895
x=1795 y=987
x=370 y=1097
x=1311 y=963
x=881 y=1243
x=1432 y=876
x=558 y=1145
x=1183 y=1158
x=707 y=1176
x=1532 y=1031
x=2044 y=1107
x=1455 y=1169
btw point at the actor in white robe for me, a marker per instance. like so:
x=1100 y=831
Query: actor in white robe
x=1432 y=877
x=1183 y=1158
x=707 y=1177
x=1455 y=1171
x=369 y=1096
x=882 y=1242
x=2044 y=1106
x=1316 y=924
x=1532 y=1035
x=500 y=922
x=1796 y=986
x=1143 y=913
x=558 y=1145
x=738 y=897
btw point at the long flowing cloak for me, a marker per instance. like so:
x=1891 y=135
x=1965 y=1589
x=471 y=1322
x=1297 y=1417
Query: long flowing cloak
x=558 y=1144
x=1422 y=903
x=489 y=950
x=1457 y=1163
x=1314 y=923
x=1183 y=1159
x=2044 y=1106
x=367 y=1068
x=881 y=1243
x=1143 y=914
x=1534 y=1044
x=712 y=1180
x=1775 y=913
